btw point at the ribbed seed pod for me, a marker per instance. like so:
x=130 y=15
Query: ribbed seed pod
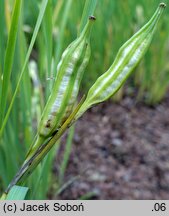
x=65 y=89
x=126 y=60
x=69 y=74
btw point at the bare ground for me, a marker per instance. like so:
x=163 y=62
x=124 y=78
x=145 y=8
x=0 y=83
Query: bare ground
x=121 y=151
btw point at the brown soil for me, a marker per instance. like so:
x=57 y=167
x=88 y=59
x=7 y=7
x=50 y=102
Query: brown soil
x=121 y=151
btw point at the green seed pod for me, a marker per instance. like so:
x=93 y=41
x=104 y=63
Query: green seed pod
x=128 y=57
x=69 y=74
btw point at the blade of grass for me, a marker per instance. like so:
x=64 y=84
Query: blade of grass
x=9 y=57
x=66 y=185
x=4 y=177
x=43 y=184
x=8 y=14
x=57 y=10
x=47 y=29
x=88 y=196
x=17 y=193
x=66 y=154
x=2 y=39
x=37 y=26
x=70 y=182
x=89 y=9
x=60 y=39
x=12 y=162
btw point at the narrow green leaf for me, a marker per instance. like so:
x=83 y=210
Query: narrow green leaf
x=9 y=57
x=37 y=26
x=2 y=39
x=66 y=154
x=60 y=39
x=47 y=29
x=17 y=193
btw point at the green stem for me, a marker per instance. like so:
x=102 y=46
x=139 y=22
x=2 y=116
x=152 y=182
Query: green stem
x=30 y=164
x=39 y=142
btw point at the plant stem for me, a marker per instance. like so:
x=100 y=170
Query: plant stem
x=30 y=164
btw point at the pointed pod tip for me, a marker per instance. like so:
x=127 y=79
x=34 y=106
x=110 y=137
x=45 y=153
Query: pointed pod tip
x=162 y=5
x=92 y=18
